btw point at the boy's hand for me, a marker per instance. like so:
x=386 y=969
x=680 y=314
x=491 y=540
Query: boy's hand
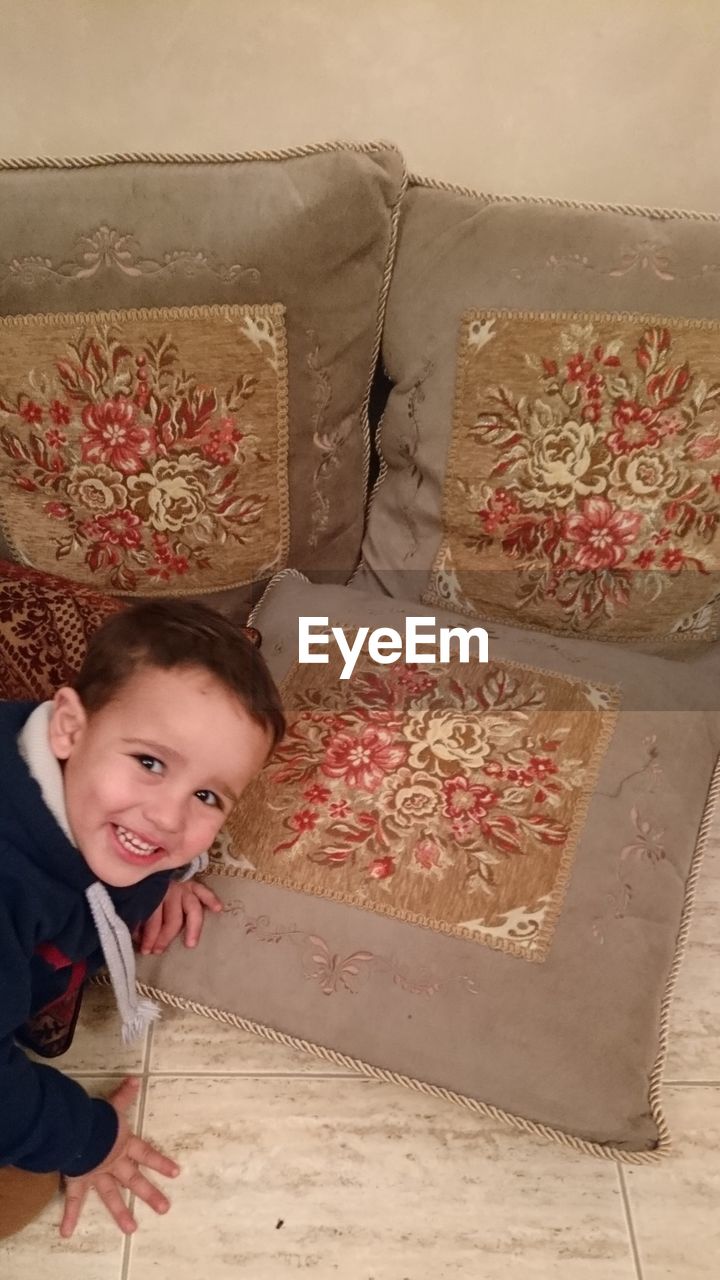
x=184 y=905
x=121 y=1168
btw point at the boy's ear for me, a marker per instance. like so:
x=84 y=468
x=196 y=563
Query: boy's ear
x=67 y=721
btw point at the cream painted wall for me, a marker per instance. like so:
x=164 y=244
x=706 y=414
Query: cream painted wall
x=616 y=100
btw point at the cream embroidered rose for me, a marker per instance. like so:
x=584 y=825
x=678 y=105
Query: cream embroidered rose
x=562 y=466
x=443 y=739
x=640 y=475
x=410 y=798
x=173 y=493
x=97 y=489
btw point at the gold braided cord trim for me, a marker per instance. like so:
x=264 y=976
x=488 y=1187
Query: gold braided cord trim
x=380 y=477
x=272 y=584
x=204 y=311
x=639 y=317
x=189 y=157
x=636 y=210
x=374 y=360
x=708 y=818
x=603 y=1151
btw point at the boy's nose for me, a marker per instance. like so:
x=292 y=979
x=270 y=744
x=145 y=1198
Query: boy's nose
x=165 y=813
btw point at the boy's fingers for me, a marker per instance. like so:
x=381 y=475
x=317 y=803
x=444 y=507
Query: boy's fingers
x=207 y=897
x=143 y=1152
x=75 y=1196
x=108 y=1190
x=172 y=923
x=151 y=930
x=145 y=1190
x=193 y=921
x=125 y=1095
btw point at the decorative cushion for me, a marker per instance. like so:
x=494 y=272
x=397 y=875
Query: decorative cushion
x=476 y=878
x=45 y=625
x=550 y=448
x=186 y=356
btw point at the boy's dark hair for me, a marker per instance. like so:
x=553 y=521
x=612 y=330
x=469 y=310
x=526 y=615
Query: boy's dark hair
x=178 y=633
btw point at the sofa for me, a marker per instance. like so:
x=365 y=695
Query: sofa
x=303 y=385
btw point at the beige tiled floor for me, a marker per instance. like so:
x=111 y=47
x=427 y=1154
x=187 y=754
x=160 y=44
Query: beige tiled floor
x=290 y=1168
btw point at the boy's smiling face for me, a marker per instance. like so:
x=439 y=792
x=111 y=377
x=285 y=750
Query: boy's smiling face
x=151 y=777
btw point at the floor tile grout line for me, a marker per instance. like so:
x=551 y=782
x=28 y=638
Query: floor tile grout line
x=126 y=1257
x=630 y=1225
x=218 y=1071
x=691 y=1084
x=149 y=1073
x=145 y=1078
x=257 y=1075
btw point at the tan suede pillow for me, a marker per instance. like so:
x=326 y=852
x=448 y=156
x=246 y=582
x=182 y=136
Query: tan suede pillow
x=551 y=450
x=476 y=879
x=186 y=352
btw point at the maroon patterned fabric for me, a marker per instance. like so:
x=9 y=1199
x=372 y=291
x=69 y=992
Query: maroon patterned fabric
x=45 y=625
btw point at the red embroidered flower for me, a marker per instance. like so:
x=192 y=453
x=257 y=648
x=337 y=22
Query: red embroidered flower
x=339 y=809
x=31 y=412
x=466 y=802
x=672 y=560
x=58 y=510
x=427 y=854
x=539 y=767
x=220 y=445
x=408 y=677
x=304 y=820
x=113 y=435
x=493 y=769
x=55 y=439
x=602 y=533
x=119 y=528
x=316 y=794
x=635 y=427
x=60 y=413
x=645 y=559
x=363 y=757
x=381 y=868
x=578 y=367
x=502 y=507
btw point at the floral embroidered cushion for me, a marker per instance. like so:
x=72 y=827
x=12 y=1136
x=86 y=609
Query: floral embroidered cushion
x=45 y=625
x=492 y=863
x=187 y=350
x=551 y=451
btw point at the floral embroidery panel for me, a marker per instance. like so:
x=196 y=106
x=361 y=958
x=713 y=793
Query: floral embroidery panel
x=450 y=795
x=145 y=452
x=583 y=484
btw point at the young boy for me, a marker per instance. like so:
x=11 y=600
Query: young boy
x=109 y=793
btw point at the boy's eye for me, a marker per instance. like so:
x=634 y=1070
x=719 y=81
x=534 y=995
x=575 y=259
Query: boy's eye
x=209 y=797
x=150 y=763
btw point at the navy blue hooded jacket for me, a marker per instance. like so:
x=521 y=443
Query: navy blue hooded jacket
x=48 y=947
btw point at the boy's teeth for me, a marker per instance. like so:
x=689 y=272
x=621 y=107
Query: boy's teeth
x=133 y=843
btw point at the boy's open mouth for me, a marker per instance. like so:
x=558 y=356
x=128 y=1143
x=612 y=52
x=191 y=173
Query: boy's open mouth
x=133 y=849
